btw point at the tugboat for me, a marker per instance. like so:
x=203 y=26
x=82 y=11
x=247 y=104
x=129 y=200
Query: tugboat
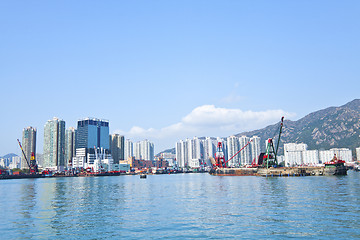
x=335 y=167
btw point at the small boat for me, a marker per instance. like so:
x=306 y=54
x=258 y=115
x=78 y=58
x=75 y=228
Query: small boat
x=335 y=167
x=142 y=175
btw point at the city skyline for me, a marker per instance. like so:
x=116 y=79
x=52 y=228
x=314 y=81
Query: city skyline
x=166 y=71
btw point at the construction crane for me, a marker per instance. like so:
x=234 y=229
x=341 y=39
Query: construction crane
x=269 y=158
x=219 y=156
x=238 y=152
x=32 y=165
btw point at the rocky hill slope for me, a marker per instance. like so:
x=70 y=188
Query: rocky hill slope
x=333 y=127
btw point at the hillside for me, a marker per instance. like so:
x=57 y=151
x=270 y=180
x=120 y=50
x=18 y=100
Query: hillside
x=10 y=155
x=328 y=128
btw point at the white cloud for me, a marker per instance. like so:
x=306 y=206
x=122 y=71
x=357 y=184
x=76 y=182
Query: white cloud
x=207 y=120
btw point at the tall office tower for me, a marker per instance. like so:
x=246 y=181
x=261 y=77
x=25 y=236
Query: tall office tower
x=128 y=152
x=54 y=144
x=245 y=157
x=92 y=133
x=232 y=149
x=28 y=144
x=70 y=145
x=255 y=148
x=117 y=145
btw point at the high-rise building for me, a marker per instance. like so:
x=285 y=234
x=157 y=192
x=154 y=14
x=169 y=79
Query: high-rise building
x=233 y=148
x=29 y=145
x=358 y=154
x=210 y=145
x=181 y=150
x=117 y=145
x=255 y=148
x=70 y=145
x=245 y=157
x=92 y=132
x=54 y=144
x=293 y=153
x=92 y=140
x=144 y=150
x=128 y=149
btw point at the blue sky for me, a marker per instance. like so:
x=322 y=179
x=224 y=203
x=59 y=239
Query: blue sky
x=167 y=70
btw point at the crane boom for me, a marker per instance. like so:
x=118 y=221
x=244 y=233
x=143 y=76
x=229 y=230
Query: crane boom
x=24 y=154
x=237 y=152
x=278 y=142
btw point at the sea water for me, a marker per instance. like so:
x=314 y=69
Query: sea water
x=181 y=206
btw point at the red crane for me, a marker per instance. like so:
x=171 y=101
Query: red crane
x=32 y=165
x=219 y=156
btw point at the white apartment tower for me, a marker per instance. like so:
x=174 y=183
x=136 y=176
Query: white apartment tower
x=54 y=144
x=144 y=150
x=232 y=149
x=245 y=157
x=255 y=148
x=128 y=149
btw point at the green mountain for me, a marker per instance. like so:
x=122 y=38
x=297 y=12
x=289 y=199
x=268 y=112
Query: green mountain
x=333 y=127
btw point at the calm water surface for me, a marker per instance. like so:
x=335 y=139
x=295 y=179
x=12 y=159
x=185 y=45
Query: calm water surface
x=183 y=206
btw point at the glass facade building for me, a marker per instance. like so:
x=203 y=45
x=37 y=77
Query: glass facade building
x=92 y=132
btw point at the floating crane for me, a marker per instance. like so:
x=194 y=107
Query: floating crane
x=269 y=158
x=219 y=156
x=32 y=165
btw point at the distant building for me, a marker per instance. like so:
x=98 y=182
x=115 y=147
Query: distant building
x=344 y=154
x=128 y=152
x=54 y=144
x=40 y=159
x=144 y=150
x=297 y=154
x=198 y=151
x=181 y=153
x=117 y=147
x=169 y=157
x=210 y=145
x=15 y=162
x=70 y=145
x=255 y=148
x=293 y=154
x=310 y=157
x=29 y=145
x=233 y=147
x=245 y=154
